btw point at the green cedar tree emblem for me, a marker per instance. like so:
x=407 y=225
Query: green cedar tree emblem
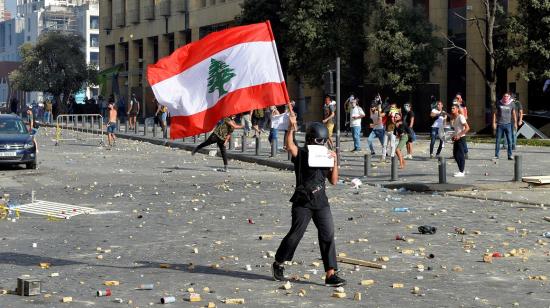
x=219 y=73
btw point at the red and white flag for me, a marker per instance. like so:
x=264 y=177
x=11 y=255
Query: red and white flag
x=225 y=73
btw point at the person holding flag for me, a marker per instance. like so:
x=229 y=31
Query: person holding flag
x=310 y=201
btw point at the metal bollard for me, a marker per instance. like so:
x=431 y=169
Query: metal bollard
x=273 y=147
x=136 y=127
x=126 y=125
x=195 y=139
x=154 y=129
x=394 y=163
x=165 y=133
x=231 y=142
x=442 y=164
x=517 y=168
x=366 y=165
x=145 y=129
x=258 y=138
x=243 y=143
x=118 y=125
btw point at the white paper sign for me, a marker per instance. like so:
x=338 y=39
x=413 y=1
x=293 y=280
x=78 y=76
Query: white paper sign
x=280 y=121
x=319 y=156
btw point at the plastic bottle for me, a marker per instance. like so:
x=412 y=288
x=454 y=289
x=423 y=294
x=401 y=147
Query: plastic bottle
x=401 y=209
x=546 y=234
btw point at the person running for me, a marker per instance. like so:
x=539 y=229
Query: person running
x=439 y=116
x=461 y=128
x=111 y=124
x=402 y=135
x=408 y=120
x=220 y=136
x=504 y=118
x=377 y=125
x=310 y=201
x=356 y=114
x=328 y=119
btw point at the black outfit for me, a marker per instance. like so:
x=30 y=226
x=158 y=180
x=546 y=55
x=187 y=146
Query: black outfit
x=459 y=151
x=309 y=201
x=217 y=140
x=407 y=122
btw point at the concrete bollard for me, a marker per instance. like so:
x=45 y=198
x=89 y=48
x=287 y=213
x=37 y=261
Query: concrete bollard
x=366 y=165
x=258 y=138
x=394 y=164
x=118 y=125
x=165 y=133
x=518 y=168
x=273 y=147
x=442 y=166
x=195 y=139
x=126 y=125
x=136 y=127
x=154 y=129
x=145 y=129
x=231 y=142
x=243 y=143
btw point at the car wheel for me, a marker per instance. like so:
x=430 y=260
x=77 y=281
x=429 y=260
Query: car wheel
x=32 y=165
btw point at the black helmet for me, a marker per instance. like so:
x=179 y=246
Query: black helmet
x=316 y=133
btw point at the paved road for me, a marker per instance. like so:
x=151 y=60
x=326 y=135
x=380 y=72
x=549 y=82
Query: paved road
x=158 y=204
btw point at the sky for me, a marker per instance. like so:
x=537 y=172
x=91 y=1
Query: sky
x=10 y=6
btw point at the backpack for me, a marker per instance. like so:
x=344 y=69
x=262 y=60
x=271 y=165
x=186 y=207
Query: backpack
x=259 y=113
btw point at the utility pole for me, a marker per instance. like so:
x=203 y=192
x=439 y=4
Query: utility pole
x=337 y=113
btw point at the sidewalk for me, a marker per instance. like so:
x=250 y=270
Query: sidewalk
x=482 y=173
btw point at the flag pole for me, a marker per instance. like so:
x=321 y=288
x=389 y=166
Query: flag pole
x=279 y=68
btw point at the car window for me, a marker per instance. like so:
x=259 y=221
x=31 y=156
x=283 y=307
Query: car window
x=12 y=126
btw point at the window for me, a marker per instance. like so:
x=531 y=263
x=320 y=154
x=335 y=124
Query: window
x=94 y=22
x=94 y=58
x=94 y=40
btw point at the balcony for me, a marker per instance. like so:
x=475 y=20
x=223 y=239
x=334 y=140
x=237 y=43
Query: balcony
x=120 y=20
x=179 y=6
x=106 y=23
x=133 y=16
x=149 y=12
x=165 y=8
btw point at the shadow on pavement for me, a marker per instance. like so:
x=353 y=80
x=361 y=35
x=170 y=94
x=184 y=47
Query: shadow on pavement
x=23 y=259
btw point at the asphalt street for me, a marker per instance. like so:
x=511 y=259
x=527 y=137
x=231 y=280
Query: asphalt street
x=170 y=219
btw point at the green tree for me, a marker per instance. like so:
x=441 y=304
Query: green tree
x=219 y=73
x=56 y=65
x=528 y=39
x=401 y=45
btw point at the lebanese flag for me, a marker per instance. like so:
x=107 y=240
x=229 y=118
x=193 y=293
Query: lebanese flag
x=226 y=73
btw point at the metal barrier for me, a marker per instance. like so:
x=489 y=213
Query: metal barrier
x=79 y=127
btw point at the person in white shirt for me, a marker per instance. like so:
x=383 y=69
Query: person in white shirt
x=439 y=116
x=461 y=128
x=356 y=114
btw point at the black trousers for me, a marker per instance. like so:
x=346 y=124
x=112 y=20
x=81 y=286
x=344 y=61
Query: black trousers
x=322 y=219
x=459 y=149
x=221 y=144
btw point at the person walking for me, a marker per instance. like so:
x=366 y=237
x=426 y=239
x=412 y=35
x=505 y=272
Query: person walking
x=133 y=111
x=220 y=136
x=310 y=201
x=504 y=118
x=519 y=115
x=461 y=128
x=48 y=108
x=111 y=124
x=464 y=112
x=437 y=131
x=408 y=121
x=273 y=131
x=161 y=114
x=377 y=125
x=356 y=114
x=328 y=119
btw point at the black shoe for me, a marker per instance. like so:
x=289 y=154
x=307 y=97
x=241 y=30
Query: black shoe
x=278 y=272
x=427 y=229
x=510 y=158
x=334 y=281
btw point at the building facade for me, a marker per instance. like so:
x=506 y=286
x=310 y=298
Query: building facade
x=135 y=33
